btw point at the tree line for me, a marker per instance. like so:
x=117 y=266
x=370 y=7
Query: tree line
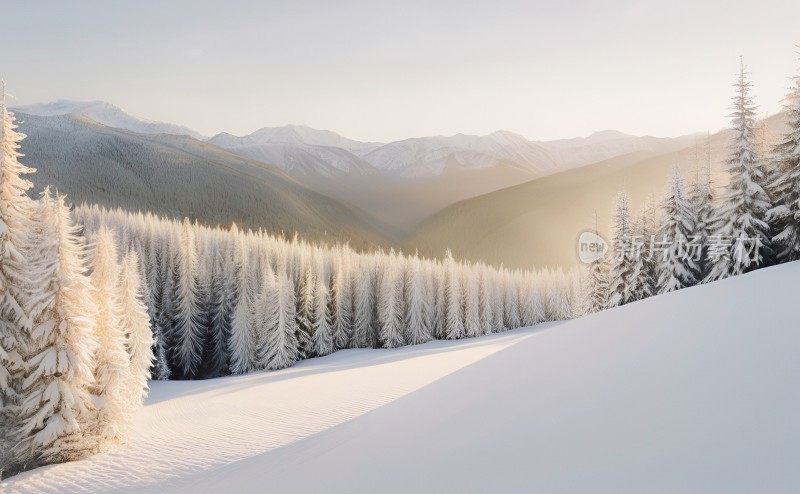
x=703 y=233
x=225 y=301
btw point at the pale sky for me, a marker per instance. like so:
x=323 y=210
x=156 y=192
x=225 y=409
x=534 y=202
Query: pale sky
x=383 y=71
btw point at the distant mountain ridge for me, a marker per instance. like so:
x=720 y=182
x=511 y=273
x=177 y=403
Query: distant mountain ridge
x=108 y=115
x=305 y=151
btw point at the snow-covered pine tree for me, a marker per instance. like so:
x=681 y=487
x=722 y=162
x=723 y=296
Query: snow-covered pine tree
x=323 y=316
x=702 y=201
x=598 y=279
x=622 y=262
x=305 y=314
x=281 y=340
x=677 y=266
x=511 y=301
x=440 y=302
x=112 y=363
x=16 y=211
x=533 y=302
x=486 y=301
x=740 y=217
x=363 y=298
x=56 y=407
x=416 y=325
x=642 y=282
x=342 y=302
x=472 y=312
x=242 y=343
x=187 y=336
x=135 y=324
x=785 y=214
x=222 y=294
x=453 y=299
x=390 y=305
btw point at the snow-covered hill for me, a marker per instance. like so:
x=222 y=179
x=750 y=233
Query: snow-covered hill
x=106 y=114
x=694 y=391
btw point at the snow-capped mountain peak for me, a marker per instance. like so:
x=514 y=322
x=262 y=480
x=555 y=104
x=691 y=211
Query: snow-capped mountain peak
x=106 y=114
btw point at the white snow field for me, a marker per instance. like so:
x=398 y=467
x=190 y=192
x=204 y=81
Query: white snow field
x=696 y=391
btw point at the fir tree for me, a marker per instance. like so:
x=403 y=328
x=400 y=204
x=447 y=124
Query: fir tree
x=741 y=216
x=186 y=331
x=112 y=363
x=598 y=282
x=622 y=263
x=454 y=309
x=56 y=407
x=785 y=188
x=16 y=285
x=678 y=266
x=416 y=325
x=390 y=308
x=281 y=341
x=136 y=325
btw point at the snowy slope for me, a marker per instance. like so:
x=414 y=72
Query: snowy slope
x=108 y=115
x=193 y=426
x=694 y=391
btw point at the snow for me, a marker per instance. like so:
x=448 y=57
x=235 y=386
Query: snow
x=106 y=114
x=692 y=391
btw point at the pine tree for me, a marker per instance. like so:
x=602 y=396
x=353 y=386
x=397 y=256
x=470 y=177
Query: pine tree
x=113 y=369
x=323 y=315
x=643 y=282
x=785 y=188
x=390 y=306
x=511 y=302
x=472 y=311
x=622 y=263
x=305 y=315
x=454 y=309
x=186 y=331
x=598 y=279
x=677 y=265
x=56 y=405
x=486 y=301
x=532 y=310
x=342 y=302
x=417 y=330
x=242 y=343
x=281 y=341
x=136 y=325
x=363 y=302
x=223 y=291
x=740 y=218
x=702 y=201
x=16 y=284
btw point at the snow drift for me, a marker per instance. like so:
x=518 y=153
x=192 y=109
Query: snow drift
x=693 y=391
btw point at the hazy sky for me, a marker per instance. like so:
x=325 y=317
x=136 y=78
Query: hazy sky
x=381 y=71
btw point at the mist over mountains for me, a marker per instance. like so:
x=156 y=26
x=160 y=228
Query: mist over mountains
x=320 y=184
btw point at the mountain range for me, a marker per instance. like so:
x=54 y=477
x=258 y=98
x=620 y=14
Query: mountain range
x=426 y=193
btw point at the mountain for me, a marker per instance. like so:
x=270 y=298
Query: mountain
x=106 y=114
x=539 y=221
x=181 y=176
x=691 y=391
x=299 y=149
x=427 y=156
x=608 y=144
x=401 y=183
